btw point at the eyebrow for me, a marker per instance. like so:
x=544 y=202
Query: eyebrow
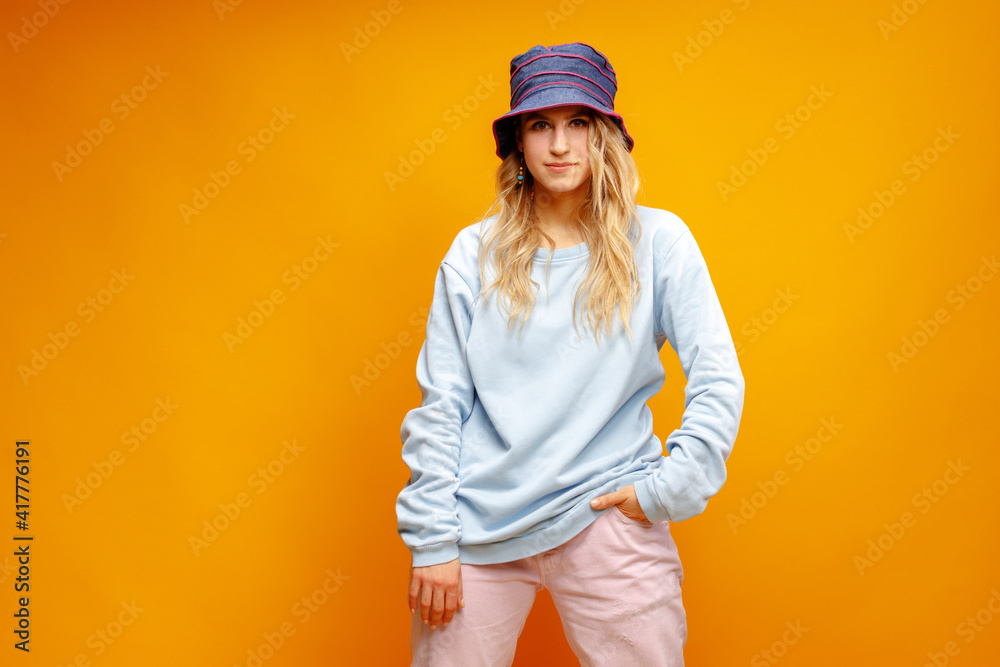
x=536 y=114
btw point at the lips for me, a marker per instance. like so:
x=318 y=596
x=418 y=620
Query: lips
x=559 y=167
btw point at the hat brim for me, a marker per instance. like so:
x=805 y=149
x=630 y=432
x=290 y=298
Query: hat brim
x=547 y=98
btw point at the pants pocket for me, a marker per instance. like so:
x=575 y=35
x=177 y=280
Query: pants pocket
x=629 y=520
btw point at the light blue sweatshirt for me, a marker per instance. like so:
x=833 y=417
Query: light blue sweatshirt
x=516 y=435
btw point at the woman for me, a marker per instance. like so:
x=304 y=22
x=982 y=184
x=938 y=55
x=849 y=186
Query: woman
x=533 y=459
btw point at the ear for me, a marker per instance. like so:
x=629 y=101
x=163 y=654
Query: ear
x=517 y=136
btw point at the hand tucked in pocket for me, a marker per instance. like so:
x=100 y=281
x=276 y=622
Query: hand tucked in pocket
x=626 y=501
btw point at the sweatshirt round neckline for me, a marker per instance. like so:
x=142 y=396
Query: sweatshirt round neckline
x=560 y=254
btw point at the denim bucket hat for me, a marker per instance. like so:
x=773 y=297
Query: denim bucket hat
x=551 y=76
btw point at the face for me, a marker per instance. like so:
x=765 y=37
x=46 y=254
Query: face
x=554 y=143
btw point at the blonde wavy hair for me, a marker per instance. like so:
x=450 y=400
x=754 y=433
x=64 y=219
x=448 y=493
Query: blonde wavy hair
x=608 y=219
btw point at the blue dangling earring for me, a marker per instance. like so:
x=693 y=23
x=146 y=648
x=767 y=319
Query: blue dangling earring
x=520 y=178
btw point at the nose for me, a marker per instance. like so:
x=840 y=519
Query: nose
x=559 y=142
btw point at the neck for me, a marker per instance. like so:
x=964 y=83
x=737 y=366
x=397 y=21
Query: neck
x=557 y=211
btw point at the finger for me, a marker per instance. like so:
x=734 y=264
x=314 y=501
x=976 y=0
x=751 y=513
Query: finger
x=426 y=598
x=414 y=592
x=450 y=605
x=438 y=609
x=461 y=593
x=609 y=499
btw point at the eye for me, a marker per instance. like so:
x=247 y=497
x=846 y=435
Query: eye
x=576 y=122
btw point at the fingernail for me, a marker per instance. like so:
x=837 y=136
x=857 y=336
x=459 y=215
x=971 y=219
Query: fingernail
x=412 y=610
x=426 y=621
x=594 y=502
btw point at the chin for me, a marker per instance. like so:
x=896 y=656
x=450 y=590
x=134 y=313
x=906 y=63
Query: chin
x=561 y=184
x=563 y=187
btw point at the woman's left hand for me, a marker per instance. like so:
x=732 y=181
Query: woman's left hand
x=626 y=501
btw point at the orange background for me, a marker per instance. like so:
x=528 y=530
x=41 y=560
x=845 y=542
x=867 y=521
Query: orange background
x=330 y=508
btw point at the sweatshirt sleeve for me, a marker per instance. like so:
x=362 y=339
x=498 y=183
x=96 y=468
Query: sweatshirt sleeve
x=688 y=312
x=427 y=519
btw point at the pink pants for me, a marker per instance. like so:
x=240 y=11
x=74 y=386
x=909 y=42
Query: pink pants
x=616 y=586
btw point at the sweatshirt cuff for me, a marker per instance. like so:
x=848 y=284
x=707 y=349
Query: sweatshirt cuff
x=436 y=554
x=648 y=500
